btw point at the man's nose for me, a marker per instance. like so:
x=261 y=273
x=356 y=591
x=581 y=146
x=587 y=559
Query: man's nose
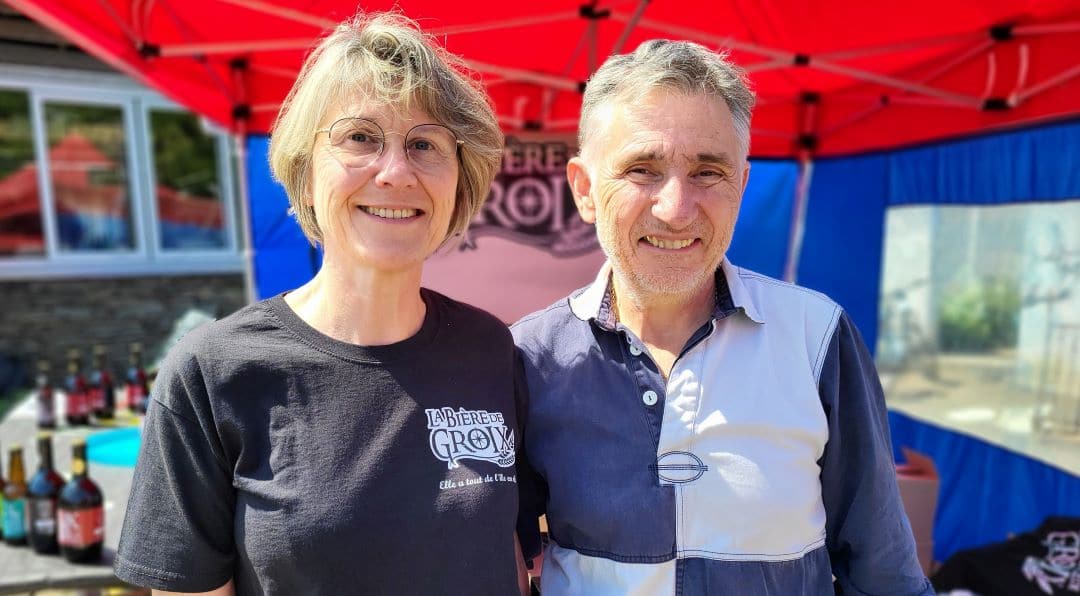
x=394 y=167
x=675 y=203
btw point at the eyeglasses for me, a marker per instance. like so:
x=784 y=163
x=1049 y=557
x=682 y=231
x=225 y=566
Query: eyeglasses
x=357 y=142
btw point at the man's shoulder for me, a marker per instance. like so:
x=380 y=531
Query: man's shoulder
x=769 y=293
x=547 y=321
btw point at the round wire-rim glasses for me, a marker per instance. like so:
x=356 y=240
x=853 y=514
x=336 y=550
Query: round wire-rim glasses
x=357 y=142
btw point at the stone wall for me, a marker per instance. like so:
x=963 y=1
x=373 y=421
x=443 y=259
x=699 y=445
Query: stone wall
x=46 y=318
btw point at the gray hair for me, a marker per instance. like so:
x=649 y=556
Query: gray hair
x=388 y=58
x=673 y=65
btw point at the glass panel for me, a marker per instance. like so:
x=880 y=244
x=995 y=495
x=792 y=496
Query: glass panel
x=88 y=169
x=980 y=320
x=20 y=202
x=188 y=189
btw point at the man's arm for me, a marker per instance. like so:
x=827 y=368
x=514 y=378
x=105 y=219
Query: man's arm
x=867 y=532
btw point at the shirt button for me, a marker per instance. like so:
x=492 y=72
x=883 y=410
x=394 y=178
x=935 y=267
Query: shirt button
x=636 y=351
x=649 y=397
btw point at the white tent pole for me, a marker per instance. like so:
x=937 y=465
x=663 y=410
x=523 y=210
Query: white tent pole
x=524 y=75
x=798 y=217
x=504 y=24
x=248 y=250
x=284 y=13
x=887 y=81
x=625 y=35
x=184 y=50
x=1050 y=83
x=1048 y=28
x=701 y=36
x=902 y=47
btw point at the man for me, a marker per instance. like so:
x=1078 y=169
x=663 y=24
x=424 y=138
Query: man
x=697 y=428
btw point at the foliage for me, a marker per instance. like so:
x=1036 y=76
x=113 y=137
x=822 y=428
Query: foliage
x=979 y=316
x=184 y=156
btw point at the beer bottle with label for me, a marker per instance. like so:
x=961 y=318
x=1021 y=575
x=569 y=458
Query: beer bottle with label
x=80 y=512
x=41 y=496
x=101 y=385
x=15 y=500
x=45 y=396
x=77 y=400
x=137 y=391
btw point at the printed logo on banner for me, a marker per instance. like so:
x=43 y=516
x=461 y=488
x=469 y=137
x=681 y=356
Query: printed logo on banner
x=531 y=203
x=1060 y=568
x=470 y=434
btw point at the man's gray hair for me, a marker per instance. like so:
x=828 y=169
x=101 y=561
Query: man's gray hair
x=672 y=65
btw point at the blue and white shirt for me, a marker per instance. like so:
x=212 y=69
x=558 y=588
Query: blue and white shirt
x=762 y=465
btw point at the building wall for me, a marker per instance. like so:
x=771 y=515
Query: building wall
x=46 y=318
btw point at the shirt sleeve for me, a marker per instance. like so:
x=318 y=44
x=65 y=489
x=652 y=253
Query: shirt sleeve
x=530 y=501
x=178 y=530
x=867 y=531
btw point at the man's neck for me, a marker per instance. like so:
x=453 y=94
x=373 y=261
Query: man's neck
x=664 y=323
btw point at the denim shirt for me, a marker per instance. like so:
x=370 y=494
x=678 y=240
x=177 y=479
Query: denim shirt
x=761 y=465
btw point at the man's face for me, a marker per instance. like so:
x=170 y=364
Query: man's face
x=662 y=179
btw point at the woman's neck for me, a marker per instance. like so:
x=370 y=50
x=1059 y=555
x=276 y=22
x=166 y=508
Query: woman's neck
x=361 y=306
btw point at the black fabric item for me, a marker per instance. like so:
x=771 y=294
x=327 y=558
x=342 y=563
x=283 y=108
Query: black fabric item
x=1042 y=562
x=297 y=464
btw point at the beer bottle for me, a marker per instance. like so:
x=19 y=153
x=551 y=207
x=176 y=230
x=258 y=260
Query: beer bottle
x=15 y=499
x=77 y=400
x=137 y=391
x=80 y=512
x=46 y=397
x=41 y=497
x=101 y=385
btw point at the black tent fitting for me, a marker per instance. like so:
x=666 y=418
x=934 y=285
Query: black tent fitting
x=149 y=50
x=241 y=111
x=589 y=11
x=801 y=60
x=581 y=86
x=808 y=141
x=995 y=104
x=809 y=97
x=1001 y=32
x=532 y=125
x=238 y=63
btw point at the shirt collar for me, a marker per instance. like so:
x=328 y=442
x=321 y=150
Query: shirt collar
x=594 y=302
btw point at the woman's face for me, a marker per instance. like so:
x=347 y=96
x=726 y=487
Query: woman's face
x=385 y=210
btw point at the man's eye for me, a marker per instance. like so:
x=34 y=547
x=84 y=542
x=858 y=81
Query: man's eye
x=640 y=173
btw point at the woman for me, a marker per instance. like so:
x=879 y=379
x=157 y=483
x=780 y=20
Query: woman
x=356 y=435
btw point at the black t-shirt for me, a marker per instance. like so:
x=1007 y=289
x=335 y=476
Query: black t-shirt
x=294 y=463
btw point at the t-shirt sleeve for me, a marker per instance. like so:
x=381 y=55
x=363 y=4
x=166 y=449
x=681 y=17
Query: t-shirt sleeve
x=530 y=501
x=178 y=530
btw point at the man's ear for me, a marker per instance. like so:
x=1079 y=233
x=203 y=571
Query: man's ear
x=745 y=176
x=581 y=186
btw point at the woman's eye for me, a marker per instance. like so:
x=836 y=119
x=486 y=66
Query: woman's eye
x=423 y=145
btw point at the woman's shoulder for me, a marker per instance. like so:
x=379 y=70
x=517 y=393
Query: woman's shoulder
x=471 y=318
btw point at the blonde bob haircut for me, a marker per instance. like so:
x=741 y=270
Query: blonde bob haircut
x=387 y=58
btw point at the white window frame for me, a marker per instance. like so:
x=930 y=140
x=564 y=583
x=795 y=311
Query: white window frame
x=51 y=85
x=225 y=181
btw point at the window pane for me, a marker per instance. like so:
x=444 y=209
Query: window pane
x=88 y=169
x=980 y=319
x=20 y=202
x=188 y=189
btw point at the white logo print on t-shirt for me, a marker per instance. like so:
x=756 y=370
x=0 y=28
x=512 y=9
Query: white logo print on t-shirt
x=470 y=434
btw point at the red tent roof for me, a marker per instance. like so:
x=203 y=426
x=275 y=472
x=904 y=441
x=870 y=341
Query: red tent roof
x=836 y=76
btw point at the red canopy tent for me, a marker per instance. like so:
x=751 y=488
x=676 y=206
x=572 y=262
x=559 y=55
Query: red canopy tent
x=833 y=77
